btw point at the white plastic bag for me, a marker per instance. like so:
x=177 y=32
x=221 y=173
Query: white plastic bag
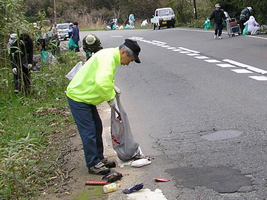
x=74 y=70
x=141 y=162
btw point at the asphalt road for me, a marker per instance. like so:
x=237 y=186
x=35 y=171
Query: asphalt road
x=198 y=107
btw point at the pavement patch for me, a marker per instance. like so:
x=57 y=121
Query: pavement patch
x=221 y=179
x=222 y=135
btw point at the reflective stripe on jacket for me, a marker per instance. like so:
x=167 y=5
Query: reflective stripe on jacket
x=94 y=82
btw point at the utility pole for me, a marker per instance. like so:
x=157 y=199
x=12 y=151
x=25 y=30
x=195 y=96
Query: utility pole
x=55 y=13
x=195 y=9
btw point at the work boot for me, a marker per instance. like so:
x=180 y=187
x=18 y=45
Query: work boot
x=99 y=169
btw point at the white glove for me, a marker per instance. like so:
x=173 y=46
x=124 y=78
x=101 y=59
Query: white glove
x=111 y=103
x=117 y=90
x=29 y=66
x=14 y=70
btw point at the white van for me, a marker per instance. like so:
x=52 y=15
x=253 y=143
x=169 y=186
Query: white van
x=163 y=17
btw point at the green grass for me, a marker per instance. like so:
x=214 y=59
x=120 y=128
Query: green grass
x=92 y=193
x=27 y=124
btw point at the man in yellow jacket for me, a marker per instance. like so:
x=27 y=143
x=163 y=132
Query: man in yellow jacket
x=92 y=85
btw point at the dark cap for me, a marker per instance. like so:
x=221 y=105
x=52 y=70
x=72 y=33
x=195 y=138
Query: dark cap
x=131 y=44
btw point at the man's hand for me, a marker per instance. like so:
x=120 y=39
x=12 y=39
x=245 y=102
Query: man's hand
x=117 y=90
x=29 y=66
x=111 y=103
x=14 y=70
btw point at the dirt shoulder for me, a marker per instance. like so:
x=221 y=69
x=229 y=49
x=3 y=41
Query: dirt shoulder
x=69 y=184
x=70 y=177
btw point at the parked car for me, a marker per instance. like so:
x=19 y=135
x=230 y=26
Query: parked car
x=63 y=31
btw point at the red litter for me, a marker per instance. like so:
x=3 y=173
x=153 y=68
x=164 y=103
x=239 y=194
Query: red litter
x=161 y=180
x=96 y=182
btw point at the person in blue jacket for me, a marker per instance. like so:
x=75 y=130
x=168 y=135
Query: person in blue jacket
x=218 y=16
x=76 y=35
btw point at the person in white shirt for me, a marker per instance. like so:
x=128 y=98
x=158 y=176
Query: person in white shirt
x=253 y=26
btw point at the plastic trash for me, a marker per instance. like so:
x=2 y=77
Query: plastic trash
x=96 y=182
x=140 y=162
x=112 y=177
x=134 y=188
x=111 y=187
x=161 y=180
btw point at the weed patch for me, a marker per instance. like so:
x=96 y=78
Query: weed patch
x=29 y=158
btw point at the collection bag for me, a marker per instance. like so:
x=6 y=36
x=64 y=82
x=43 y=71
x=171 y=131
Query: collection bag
x=207 y=24
x=71 y=44
x=245 y=30
x=121 y=135
x=223 y=23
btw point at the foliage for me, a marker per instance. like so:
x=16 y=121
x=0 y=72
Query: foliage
x=26 y=125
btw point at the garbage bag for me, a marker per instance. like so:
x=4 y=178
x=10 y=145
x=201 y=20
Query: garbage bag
x=245 y=30
x=71 y=44
x=207 y=24
x=122 y=138
x=223 y=23
x=47 y=57
x=74 y=70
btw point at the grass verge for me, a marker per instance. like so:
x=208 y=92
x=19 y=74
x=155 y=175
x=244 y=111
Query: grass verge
x=27 y=126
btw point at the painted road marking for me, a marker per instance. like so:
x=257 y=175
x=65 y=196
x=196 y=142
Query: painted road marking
x=212 y=61
x=259 y=78
x=247 y=69
x=201 y=57
x=251 y=68
x=192 y=54
x=225 y=65
x=241 y=71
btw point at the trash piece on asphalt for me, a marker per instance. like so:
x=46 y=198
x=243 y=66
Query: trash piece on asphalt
x=140 y=162
x=96 y=182
x=111 y=187
x=112 y=177
x=161 y=180
x=134 y=188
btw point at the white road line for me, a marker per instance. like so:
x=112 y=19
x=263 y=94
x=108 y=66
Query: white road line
x=193 y=51
x=259 y=78
x=247 y=69
x=212 y=61
x=201 y=57
x=192 y=54
x=184 y=52
x=225 y=65
x=241 y=71
x=251 y=68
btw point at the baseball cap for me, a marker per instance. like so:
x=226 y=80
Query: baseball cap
x=131 y=44
x=217 y=5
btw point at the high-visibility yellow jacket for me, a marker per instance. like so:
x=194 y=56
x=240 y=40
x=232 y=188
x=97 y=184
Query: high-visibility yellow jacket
x=94 y=82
